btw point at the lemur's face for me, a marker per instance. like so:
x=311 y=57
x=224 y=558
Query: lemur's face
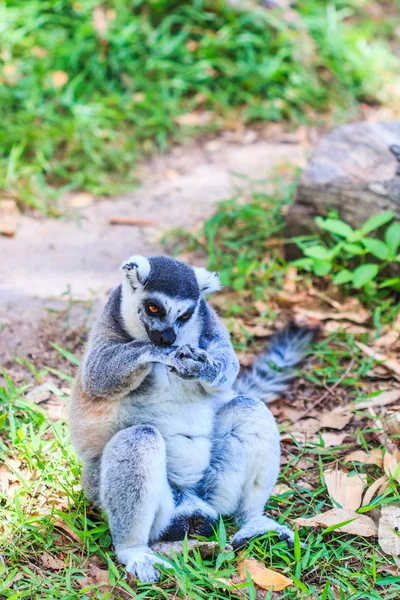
x=161 y=296
x=164 y=317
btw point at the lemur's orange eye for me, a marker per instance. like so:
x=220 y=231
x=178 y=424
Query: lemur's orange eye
x=185 y=316
x=153 y=309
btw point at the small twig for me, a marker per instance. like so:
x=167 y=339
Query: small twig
x=136 y=222
x=326 y=299
x=329 y=391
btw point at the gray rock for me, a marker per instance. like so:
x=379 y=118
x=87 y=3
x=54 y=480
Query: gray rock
x=353 y=172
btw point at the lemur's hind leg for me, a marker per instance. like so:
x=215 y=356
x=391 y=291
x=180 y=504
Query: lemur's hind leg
x=244 y=467
x=136 y=495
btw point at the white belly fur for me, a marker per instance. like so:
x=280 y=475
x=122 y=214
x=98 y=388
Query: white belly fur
x=184 y=414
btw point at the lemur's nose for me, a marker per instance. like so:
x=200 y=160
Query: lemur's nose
x=167 y=337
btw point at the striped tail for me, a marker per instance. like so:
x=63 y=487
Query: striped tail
x=272 y=371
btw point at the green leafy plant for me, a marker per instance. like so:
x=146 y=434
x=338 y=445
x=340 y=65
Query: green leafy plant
x=346 y=247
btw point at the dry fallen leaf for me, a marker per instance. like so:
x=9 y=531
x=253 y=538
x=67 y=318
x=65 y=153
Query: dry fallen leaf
x=345 y=489
x=263 y=577
x=304 y=438
x=99 y=20
x=389 y=363
x=59 y=78
x=337 y=418
x=309 y=425
x=374 y=457
x=66 y=529
x=280 y=489
x=289 y=282
x=373 y=489
x=96 y=577
x=194 y=119
x=8 y=217
x=359 y=524
x=333 y=439
x=360 y=316
x=383 y=399
x=389 y=540
x=50 y=562
x=80 y=200
x=391 y=466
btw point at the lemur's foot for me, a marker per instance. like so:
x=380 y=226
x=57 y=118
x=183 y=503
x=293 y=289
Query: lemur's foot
x=258 y=526
x=140 y=562
x=193 y=525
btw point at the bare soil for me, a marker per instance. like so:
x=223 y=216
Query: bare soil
x=56 y=273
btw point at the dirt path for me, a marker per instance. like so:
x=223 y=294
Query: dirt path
x=47 y=257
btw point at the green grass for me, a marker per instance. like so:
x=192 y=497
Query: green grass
x=48 y=513
x=125 y=88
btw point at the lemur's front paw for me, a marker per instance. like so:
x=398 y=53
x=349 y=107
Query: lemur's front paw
x=140 y=563
x=186 y=368
x=188 y=351
x=193 y=363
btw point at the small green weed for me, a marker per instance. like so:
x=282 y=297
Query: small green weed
x=346 y=245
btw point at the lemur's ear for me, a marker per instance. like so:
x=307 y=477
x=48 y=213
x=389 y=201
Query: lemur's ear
x=208 y=281
x=137 y=270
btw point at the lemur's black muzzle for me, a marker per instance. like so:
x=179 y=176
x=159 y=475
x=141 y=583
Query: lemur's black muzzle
x=166 y=337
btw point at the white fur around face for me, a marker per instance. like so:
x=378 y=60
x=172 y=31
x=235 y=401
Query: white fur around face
x=208 y=281
x=131 y=300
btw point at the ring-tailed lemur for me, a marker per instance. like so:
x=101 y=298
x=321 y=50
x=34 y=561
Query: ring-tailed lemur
x=169 y=437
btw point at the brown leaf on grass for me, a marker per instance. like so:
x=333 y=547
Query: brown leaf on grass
x=333 y=326
x=8 y=217
x=287 y=298
x=280 y=489
x=289 y=282
x=331 y=439
x=392 y=422
x=389 y=363
x=246 y=358
x=39 y=52
x=374 y=457
x=388 y=339
x=391 y=466
x=80 y=200
x=51 y=562
x=101 y=19
x=346 y=490
x=194 y=119
x=337 y=418
x=389 y=540
x=384 y=398
x=358 y=525
x=306 y=439
x=373 y=489
x=263 y=577
x=10 y=73
x=258 y=329
x=308 y=425
x=66 y=529
x=96 y=577
x=389 y=335
x=59 y=78
x=360 y=316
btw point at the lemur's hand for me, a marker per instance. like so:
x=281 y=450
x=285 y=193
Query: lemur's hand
x=194 y=363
